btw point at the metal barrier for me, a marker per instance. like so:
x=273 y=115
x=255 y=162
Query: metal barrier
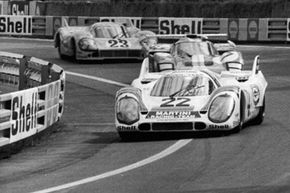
x=239 y=29
x=37 y=104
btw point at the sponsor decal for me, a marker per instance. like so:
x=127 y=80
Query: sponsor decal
x=180 y=25
x=218 y=126
x=126 y=128
x=16 y=25
x=172 y=114
x=24 y=109
x=117 y=43
x=175 y=102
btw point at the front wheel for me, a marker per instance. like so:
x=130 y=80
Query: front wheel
x=74 y=50
x=240 y=126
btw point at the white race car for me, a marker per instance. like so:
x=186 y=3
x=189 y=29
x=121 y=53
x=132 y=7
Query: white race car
x=190 y=100
x=211 y=50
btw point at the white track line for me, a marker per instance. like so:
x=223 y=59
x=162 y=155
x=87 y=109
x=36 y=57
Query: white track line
x=173 y=148
x=168 y=151
x=97 y=79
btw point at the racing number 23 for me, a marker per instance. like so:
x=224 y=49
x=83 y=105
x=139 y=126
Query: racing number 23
x=116 y=43
x=178 y=102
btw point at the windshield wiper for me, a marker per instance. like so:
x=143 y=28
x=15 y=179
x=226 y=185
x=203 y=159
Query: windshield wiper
x=185 y=90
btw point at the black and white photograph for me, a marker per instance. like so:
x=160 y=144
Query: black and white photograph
x=144 y=96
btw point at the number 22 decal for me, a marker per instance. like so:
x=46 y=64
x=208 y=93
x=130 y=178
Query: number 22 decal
x=116 y=43
x=179 y=102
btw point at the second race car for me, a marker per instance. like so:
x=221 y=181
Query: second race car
x=213 y=51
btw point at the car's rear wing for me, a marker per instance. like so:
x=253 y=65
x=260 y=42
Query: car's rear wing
x=256 y=65
x=171 y=38
x=220 y=40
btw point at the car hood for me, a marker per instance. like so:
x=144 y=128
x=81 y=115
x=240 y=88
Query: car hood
x=161 y=103
x=117 y=44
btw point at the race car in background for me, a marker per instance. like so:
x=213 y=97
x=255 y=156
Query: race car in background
x=191 y=100
x=211 y=50
x=101 y=40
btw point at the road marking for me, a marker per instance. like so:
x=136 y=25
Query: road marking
x=173 y=148
x=97 y=79
x=168 y=151
x=29 y=39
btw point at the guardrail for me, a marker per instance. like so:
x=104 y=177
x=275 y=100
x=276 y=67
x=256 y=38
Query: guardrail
x=37 y=99
x=239 y=29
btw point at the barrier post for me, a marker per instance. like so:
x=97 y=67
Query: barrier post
x=23 y=79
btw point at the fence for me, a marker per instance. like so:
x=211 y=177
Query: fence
x=39 y=101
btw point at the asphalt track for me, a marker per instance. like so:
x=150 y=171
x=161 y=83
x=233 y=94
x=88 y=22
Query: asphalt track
x=86 y=147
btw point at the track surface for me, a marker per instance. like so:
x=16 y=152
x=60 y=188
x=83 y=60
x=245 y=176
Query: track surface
x=86 y=144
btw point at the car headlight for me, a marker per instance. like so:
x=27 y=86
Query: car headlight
x=87 y=44
x=221 y=108
x=127 y=110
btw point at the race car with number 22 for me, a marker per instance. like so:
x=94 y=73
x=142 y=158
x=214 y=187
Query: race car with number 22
x=194 y=100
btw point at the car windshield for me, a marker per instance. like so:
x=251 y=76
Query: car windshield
x=110 y=31
x=188 y=49
x=190 y=84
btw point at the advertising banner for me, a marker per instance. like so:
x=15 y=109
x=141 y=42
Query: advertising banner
x=23 y=114
x=136 y=21
x=171 y=25
x=253 y=29
x=19 y=7
x=233 y=27
x=15 y=25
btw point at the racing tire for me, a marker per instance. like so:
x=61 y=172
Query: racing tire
x=74 y=49
x=58 y=45
x=240 y=126
x=258 y=120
